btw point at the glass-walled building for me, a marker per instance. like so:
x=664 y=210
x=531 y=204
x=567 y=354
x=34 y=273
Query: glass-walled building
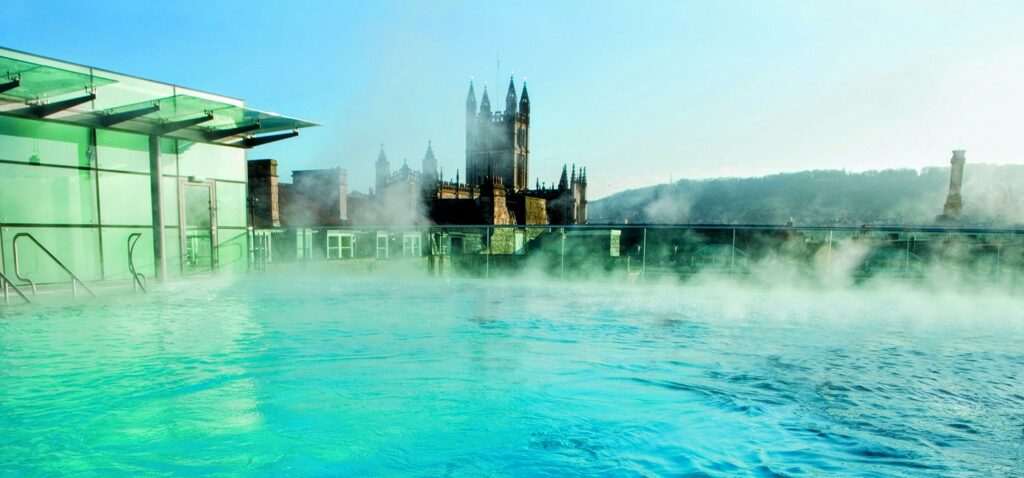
x=92 y=161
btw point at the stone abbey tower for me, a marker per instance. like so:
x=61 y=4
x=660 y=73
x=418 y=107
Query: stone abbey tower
x=498 y=143
x=495 y=187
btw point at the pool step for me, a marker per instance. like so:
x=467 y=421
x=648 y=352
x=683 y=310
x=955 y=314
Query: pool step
x=60 y=293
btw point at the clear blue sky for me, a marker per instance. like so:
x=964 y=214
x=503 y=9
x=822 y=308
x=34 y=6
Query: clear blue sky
x=637 y=91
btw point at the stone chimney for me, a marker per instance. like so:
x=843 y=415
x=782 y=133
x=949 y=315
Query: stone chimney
x=264 y=198
x=328 y=188
x=953 y=209
x=492 y=201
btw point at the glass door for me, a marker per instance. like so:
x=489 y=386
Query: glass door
x=199 y=234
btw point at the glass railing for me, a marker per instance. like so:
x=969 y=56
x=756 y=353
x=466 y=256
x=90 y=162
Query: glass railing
x=635 y=253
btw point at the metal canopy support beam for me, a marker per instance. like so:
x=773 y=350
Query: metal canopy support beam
x=115 y=118
x=254 y=141
x=224 y=133
x=182 y=124
x=156 y=195
x=48 y=109
x=10 y=85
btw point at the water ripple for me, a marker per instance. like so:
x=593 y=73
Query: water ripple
x=329 y=376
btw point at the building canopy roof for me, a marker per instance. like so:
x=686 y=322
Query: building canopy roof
x=46 y=92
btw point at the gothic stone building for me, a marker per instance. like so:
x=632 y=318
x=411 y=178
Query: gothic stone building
x=495 y=189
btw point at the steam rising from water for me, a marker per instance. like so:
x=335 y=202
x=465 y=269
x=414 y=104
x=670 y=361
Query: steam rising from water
x=318 y=373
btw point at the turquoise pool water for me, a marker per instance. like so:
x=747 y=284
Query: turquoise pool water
x=332 y=376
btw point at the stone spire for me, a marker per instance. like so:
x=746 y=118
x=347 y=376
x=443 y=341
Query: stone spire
x=485 y=103
x=510 y=98
x=429 y=163
x=471 y=100
x=383 y=170
x=524 y=102
x=563 y=182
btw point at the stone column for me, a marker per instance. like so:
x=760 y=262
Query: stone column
x=953 y=209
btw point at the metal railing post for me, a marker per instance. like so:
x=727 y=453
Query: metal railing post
x=562 y=265
x=643 y=258
x=487 y=270
x=828 y=262
x=7 y=285
x=906 y=266
x=999 y=265
x=732 y=254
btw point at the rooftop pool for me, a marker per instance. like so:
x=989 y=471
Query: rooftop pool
x=324 y=375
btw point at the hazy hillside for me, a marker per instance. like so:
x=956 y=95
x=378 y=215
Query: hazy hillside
x=993 y=195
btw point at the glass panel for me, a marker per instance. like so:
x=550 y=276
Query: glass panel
x=212 y=162
x=77 y=248
x=44 y=195
x=172 y=249
x=38 y=81
x=122 y=151
x=232 y=250
x=177 y=107
x=198 y=229
x=125 y=199
x=169 y=155
x=269 y=122
x=170 y=201
x=115 y=253
x=43 y=142
x=127 y=90
x=231 y=204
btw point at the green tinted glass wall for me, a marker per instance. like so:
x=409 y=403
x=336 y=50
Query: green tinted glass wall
x=115 y=252
x=77 y=248
x=232 y=249
x=82 y=193
x=211 y=162
x=231 y=204
x=37 y=194
x=125 y=199
x=39 y=142
x=122 y=151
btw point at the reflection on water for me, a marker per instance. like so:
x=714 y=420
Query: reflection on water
x=334 y=376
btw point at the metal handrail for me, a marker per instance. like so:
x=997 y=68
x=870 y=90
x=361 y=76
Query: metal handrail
x=138 y=280
x=4 y=284
x=17 y=266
